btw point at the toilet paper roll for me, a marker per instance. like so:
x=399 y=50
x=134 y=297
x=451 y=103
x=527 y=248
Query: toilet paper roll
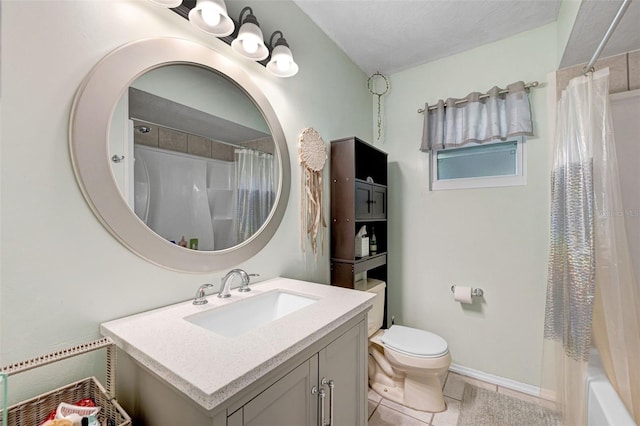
x=462 y=294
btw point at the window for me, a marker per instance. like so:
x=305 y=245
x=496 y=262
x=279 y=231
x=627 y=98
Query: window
x=500 y=163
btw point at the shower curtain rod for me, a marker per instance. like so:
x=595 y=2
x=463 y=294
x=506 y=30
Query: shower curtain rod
x=502 y=92
x=616 y=20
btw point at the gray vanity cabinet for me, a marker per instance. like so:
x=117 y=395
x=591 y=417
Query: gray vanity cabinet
x=286 y=402
x=295 y=399
x=287 y=396
x=345 y=362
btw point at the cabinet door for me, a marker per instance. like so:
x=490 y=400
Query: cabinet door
x=345 y=362
x=235 y=419
x=370 y=200
x=378 y=202
x=288 y=402
x=363 y=200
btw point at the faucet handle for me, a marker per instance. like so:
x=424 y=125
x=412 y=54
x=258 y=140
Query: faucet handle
x=200 y=298
x=245 y=283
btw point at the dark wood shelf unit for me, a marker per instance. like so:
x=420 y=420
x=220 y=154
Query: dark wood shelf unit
x=358 y=198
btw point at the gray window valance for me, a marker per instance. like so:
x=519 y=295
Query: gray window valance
x=496 y=115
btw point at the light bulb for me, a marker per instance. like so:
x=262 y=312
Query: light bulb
x=283 y=64
x=210 y=17
x=250 y=45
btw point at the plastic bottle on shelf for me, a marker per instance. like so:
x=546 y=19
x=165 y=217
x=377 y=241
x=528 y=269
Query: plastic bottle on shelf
x=373 y=243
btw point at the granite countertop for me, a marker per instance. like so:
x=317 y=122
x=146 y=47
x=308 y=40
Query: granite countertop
x=211 y=368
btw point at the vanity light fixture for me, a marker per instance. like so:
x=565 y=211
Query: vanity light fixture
x=281 y=63
x=247 y=40
x=250 y=41
x=211 y=17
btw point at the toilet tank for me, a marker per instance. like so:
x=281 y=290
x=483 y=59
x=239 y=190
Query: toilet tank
x=376 y=314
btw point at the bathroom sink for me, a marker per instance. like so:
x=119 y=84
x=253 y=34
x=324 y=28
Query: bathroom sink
x=239 y=317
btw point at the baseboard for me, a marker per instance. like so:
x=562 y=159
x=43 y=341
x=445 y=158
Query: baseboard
x=496 y=380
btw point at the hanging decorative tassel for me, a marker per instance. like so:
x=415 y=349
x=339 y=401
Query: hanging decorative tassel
x=379 y=92
x=313 y=156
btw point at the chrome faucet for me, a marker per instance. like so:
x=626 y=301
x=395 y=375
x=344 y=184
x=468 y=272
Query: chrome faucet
x=225 y=285
x=200 y=298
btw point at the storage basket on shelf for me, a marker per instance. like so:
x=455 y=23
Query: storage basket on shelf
x=34 y=412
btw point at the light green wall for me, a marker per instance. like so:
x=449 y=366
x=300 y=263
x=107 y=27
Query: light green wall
x=62 y=273
x=494 y=239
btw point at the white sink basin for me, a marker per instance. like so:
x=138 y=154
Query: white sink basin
x=239 y=317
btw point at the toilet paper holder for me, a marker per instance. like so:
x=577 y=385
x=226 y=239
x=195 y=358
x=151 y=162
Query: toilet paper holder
x=477 y=292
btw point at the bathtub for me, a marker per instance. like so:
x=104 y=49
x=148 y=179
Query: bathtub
x=604 y=406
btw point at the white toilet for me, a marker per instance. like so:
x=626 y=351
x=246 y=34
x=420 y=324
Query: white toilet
x=406 y=365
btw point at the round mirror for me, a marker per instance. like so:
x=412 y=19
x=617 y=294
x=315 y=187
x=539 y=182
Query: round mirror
x=180 y=155
x=203 y=174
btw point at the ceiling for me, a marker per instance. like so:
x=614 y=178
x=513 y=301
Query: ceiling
x=392 y=35
x=592 y=22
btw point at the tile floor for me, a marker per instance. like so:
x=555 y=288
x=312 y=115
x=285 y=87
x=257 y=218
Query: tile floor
x=383 y=412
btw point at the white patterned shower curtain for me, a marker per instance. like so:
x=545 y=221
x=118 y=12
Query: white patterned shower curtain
x=591 y=289
x=256 y=181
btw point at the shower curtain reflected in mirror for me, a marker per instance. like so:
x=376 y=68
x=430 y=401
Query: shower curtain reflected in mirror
x=171 y=195
x=591 y=289
x=221 y=203
x=255 y=194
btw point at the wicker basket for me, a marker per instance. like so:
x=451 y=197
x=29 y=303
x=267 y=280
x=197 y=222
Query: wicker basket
x=34 y=412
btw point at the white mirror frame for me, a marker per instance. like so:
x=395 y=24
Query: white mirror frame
x=89 y=126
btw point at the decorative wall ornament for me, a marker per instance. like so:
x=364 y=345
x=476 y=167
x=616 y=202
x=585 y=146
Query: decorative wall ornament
x=379 y=86
x=313 y=156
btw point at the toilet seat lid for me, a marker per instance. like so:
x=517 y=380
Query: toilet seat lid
x=415 y=342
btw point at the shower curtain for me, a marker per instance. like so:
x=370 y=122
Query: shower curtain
x=171 y=195
x=255 y=190
x=591 y=288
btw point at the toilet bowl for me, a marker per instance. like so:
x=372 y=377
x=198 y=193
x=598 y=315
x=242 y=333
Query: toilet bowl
x=406 y=365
